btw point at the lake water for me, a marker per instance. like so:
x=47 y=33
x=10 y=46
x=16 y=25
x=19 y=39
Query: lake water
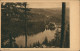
x=50 y=34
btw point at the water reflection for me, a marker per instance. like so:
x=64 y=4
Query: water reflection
x=36 y=33
x=20 y=41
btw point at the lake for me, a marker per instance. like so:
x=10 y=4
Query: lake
x=20 y=41
x=36 y=33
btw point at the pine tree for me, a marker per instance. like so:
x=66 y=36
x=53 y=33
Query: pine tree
x=45 y=41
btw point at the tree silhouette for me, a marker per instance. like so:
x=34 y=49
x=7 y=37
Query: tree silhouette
x=45 y=41
x=13 y=10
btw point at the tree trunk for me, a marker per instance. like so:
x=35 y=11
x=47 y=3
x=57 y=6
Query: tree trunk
x=25 y=28
x=62 y=25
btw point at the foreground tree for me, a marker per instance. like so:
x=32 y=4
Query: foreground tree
x=13 y=16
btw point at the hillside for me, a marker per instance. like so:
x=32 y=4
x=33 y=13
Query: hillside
x=52 y=14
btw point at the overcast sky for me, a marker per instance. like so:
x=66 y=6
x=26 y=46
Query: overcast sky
x=46 y=4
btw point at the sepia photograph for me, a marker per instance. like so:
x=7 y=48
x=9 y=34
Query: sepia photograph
x=35 y=25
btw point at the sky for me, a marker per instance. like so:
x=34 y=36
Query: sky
x=46 y=4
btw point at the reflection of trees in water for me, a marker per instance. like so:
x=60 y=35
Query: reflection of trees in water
x=35 y=27
x=44 y=44
x=8 y=45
